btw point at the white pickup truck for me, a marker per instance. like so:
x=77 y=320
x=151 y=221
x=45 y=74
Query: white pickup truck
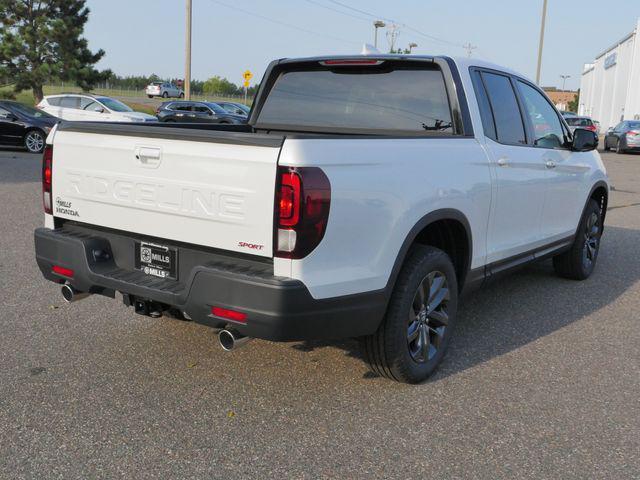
x=364 y=194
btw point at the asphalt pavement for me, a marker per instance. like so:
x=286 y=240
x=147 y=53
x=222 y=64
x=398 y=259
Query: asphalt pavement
x=542 y=379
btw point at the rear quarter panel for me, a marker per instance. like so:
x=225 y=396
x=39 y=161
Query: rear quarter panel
x=380 y=189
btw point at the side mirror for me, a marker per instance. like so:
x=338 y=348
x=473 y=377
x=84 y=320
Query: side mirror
x=584 y=140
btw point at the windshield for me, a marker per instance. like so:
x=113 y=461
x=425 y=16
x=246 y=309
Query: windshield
x=371 y=98
x=579 y=122
x=30 y=111
x=113 y=104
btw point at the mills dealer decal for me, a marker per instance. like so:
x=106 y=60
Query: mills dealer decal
x=65 y=208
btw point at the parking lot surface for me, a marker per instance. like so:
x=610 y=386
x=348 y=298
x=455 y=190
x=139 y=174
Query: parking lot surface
x=542 y=379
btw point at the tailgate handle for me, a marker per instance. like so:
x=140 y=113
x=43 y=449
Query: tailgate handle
x=148 y=157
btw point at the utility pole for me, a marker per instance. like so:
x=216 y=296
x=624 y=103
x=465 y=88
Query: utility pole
x=376 y=25
x=469 y=48
x=412 y=45
x=187 y=65
x=392 y=36
x=564 y=79
x=541 y=45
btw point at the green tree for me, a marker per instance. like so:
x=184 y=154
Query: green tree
x=40 y=41
x=573 y=104
x=220 y=86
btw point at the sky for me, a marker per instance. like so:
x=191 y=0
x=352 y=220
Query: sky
x=141 y=37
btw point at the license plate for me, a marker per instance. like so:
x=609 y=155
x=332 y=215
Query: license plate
x=157 y=260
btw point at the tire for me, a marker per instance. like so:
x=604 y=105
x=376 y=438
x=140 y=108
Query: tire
x=181 y=95
x=34 y=141
x=605 y=147
x=150 y=96
x=165 y=95
x=619 y=150
x=395 y=350
x=579 y=262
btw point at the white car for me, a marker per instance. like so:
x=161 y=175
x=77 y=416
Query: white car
x=363 y=196
x=91 y=108
x=164 y=90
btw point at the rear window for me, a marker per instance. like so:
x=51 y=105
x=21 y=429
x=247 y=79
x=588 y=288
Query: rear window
x=578 y=122
x=371 y=98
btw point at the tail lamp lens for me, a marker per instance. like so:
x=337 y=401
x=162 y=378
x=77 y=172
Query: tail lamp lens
x=289 y=201
x=47 y=177
x=302 y=211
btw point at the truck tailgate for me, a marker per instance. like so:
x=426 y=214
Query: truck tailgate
x=209 y=188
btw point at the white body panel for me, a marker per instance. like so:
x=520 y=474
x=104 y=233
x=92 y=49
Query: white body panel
x=216 y=195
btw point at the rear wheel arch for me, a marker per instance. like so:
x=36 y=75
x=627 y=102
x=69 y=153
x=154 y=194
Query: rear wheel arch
x=446 y=229
x=600 y=193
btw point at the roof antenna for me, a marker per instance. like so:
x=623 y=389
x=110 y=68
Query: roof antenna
x=368 y=49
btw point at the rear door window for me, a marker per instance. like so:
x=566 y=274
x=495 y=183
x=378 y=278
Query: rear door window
x=54 y=101
x=70 y=102
x=382 y=98
x=505 y=109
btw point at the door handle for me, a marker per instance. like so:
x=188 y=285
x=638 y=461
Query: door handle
x=503 y=162
x=550 y=164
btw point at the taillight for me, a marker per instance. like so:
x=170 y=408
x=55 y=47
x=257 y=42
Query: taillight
x=303 y=198
x=633 y=132
x=592 y=128
x=47 y=176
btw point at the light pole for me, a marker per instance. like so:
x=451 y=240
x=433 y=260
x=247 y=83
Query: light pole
x=541 y=44
x=564 y=79
x=376 y=25
x=187 y=64
x=412 y=46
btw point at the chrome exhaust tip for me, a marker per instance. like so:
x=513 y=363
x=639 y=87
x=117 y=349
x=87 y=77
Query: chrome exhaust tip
x=70 y=294
x=231 y=340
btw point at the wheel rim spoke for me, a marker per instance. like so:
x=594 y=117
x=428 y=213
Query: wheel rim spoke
x=428 y=317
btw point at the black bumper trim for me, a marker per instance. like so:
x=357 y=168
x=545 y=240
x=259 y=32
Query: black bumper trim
x=277 y=308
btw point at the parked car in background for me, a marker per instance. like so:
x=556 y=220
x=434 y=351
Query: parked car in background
x=580 y=122
x=91 y=108
x=623 y=137
x=164 y=90
x=235 y=108
x=597 y=124
x=566 y=114
x=21 y=125
x=196 y=112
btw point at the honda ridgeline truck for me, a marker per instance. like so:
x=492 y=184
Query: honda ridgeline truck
x=362 y=197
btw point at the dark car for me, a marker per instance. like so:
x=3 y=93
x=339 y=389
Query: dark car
x=235 y=108
x=21 y=125
x=196 y=112
x=623 y=137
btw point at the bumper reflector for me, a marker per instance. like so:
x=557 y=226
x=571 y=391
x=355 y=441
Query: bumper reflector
x=65 y=272
x=229 y=314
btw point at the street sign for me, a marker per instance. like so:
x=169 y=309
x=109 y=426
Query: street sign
x=247 y=75
x=246 y=83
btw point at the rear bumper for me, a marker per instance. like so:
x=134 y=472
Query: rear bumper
x=277 y=308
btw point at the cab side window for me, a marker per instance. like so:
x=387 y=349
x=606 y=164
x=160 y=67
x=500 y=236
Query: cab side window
x=504 y=108
x=547 y=128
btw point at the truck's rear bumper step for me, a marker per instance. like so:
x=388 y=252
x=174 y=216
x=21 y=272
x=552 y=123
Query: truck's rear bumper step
x=277 y=308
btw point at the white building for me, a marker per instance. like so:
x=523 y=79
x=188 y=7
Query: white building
x=610 y=86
